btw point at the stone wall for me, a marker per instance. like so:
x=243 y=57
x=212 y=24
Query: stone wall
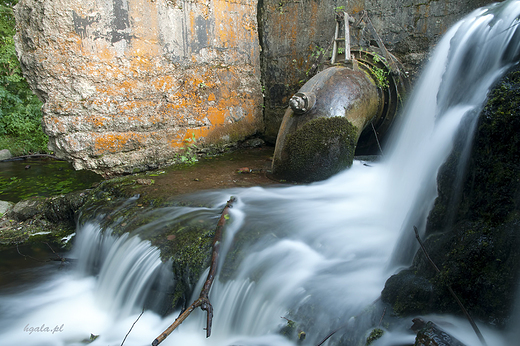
x=126 y=82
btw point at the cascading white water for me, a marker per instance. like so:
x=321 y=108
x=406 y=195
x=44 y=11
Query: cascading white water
x=327 y=248
x=70 y=305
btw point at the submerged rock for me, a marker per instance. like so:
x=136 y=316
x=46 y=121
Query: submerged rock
x=5 y=154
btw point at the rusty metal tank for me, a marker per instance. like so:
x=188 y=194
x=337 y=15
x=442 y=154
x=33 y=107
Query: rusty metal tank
x=327 y=116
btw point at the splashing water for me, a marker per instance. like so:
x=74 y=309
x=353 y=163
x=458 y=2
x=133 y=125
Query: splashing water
x=326 y=249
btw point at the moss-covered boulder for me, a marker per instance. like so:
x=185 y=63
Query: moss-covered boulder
x=320 y=148
x=183 y=236
x=473 y=231
x=41 y=220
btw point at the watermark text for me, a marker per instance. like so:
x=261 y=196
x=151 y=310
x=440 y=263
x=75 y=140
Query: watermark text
x=43 y=329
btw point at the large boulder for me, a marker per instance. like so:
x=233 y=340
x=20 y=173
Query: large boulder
x=127 y=85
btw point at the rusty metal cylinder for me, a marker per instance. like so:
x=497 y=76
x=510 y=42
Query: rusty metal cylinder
x=320 y=129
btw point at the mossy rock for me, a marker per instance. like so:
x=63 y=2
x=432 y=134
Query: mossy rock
x=42 y=220
x=374 y=335
x=319 y=149
x=184 y=241
x=473 y=231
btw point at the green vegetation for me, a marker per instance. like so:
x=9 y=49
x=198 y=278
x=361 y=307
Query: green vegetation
x=380 y=74
x=375 y=334
x=189 y=156
x=18 y=183
x=20 y=109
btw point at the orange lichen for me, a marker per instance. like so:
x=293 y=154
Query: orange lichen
x=117 y=142
x=97 y=121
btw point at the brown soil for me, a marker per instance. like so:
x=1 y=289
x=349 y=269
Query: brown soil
x=241 y=168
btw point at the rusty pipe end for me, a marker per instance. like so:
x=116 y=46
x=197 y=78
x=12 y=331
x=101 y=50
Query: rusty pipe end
x=302 y=102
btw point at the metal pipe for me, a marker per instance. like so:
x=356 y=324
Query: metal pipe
x=326 y=117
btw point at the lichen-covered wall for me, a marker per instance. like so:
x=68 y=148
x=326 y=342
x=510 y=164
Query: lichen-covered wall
x=126 y=82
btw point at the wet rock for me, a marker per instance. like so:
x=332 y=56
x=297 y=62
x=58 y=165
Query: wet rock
x=24 y=210
x=5 y=154
x=5 y=207
x=408 y=293
x=374 y=335
x=473 y=231
x=42 y=219
x=253 y=143
x=430 y=334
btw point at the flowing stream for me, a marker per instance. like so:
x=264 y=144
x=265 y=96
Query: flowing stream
x=326 y=248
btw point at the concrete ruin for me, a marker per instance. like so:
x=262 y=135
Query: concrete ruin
x=127 y=83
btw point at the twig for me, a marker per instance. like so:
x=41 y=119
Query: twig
x=203 y=300
x=33 y=155
x=54 y=252
x=141 y=314
x=330 y=334
x=473 y=324
x=26 y=256
x=382 y=316
x=377 y=139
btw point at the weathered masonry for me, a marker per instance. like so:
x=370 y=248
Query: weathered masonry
x=126 y=82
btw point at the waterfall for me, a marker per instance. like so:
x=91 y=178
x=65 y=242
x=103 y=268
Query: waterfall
x=318 y=254
x=467 y=61
x=126 y=266
x=115 y=278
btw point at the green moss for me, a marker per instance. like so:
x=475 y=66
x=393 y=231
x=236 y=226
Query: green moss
x=189 y=247
x=319 y=149
x=375 y=334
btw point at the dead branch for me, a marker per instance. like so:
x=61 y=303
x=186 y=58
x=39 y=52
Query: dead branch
x=466 y=313
x=27 y=256
x=203 y=300
x=132 y=327
x=377 y=139
x=33 y=156
x=329 y=335
x=381 y=320
x=58 y=257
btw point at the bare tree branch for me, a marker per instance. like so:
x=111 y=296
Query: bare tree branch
x=203 y=300
x=133 y=324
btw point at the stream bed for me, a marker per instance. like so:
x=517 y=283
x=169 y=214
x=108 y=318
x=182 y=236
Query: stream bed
x=41 y=176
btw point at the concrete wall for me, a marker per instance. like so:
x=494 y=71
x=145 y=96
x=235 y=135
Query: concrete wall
x=125 y=82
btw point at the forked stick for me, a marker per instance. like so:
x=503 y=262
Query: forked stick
x=203 y=300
